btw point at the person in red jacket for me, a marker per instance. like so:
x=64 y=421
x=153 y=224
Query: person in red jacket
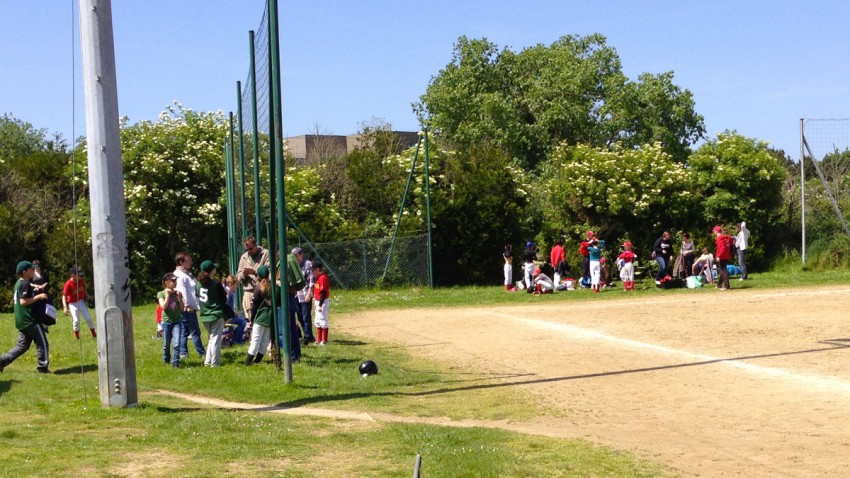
x=723 y=257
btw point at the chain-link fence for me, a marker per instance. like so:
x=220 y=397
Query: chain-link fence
x=365 y=263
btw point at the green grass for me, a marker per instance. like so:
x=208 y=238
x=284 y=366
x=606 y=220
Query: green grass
x=54 y=425
x=417 y=297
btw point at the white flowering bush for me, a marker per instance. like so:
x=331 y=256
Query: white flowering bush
x=174 y=190
x=622 y=193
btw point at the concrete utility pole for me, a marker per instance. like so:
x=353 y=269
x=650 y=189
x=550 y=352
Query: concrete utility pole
x=116 y=355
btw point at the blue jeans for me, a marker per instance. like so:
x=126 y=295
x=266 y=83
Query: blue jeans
x=239 y=330
x=294 y=334
x=305 y=310
x=189 y=320
x=662 y=267
x=742 y=263
x=171 y=334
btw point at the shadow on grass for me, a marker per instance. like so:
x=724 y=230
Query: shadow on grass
x=162 y=409
x=6 y=385
x=76 y=369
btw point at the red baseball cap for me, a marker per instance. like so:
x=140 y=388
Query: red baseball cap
x=717 y=229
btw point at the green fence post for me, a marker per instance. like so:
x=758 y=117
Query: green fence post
x=428 y=211
x=401 y=208
x=256 y=144
x=241 y=156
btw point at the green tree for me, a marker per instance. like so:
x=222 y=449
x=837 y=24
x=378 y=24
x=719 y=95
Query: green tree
x=739 y=179
x=572 y=90
x=477 y=205
x=34 y=195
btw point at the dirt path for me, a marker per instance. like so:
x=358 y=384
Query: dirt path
x=743 y=383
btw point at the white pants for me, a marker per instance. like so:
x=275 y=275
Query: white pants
x=509 y=274
x=545 y=284
x=320 y=318
x=216 y=330
x=627 y=272
x=260 y=338
x=529 y=274
x=80 y=308
x=595 y=272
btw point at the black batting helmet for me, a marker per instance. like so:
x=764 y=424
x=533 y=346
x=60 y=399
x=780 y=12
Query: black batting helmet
x=368 y=367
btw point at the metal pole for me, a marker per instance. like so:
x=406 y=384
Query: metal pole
x=803 y=189
x=234 y=242
x=228 y=182
x=115 y=351
x=256 y=139
x=277 y=132
x=417 y=464
x=241 y=155
x=273 y=291
x=428 y=211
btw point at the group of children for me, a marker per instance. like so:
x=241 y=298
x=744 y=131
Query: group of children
x=596 y=274
x=216 y=300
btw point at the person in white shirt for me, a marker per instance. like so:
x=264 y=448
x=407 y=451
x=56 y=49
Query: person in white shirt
x=189 y=315
x=742 y=243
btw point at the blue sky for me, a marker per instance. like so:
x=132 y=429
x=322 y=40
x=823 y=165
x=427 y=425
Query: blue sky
x=753 y=66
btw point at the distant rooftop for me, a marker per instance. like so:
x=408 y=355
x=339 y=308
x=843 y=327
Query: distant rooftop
x=312 y=148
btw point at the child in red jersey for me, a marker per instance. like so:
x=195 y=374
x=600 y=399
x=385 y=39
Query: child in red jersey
x=321 y=297
x=627 y=267
x=74 y=301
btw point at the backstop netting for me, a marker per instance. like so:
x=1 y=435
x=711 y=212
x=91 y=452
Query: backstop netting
x=365 y=263
x=826 y=147
x=359 y=263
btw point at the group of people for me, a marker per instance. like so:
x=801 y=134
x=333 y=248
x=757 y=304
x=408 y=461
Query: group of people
x=185 y=302
x=184 y=299
x=596 y=273
x=34 y=311
x=687 y=263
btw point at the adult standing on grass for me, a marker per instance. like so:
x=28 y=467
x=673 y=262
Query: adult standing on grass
x=662 y=252
x=213 y=301
x=688 y=253
x=305 y=296
x=246 y=273
x=29 y=329
x=742 y=243
x=189 y=317
x=723 y=256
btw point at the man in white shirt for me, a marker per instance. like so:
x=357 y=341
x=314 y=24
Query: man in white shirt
x=742 y=243
x=189 y=315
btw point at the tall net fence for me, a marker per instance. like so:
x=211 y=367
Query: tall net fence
x=364 y=263
x=826 y=147
x=359 y=263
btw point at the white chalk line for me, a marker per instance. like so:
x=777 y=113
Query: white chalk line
x=827 y=383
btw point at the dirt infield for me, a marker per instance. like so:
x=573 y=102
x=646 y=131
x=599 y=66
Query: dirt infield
x=741 y=383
